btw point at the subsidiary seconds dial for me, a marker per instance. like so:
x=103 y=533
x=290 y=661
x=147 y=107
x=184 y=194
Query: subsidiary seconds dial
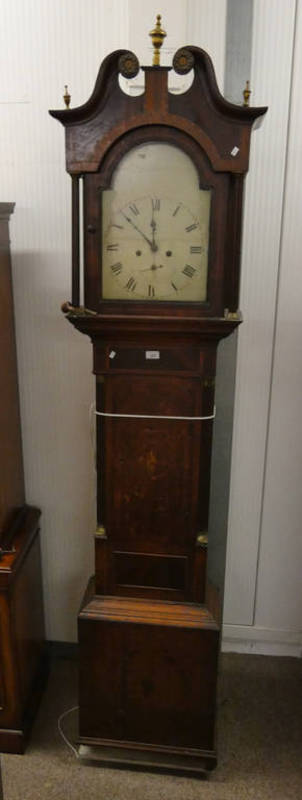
x=155 y=248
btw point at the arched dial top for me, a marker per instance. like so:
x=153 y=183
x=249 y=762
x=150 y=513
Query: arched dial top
x=156 y=221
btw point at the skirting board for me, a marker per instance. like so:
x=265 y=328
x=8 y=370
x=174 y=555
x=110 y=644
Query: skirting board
x=262 y=641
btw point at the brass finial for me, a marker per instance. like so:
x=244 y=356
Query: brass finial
x=246 y=94
x=157 y=35
x=66 y=97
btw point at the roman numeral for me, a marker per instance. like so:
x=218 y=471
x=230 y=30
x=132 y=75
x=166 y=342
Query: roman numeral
x=155 y=204
x=112 y=248
x=194 y=249
x=131 y=284
x=174 y=287
x=151 y=291
x=115 y=225
x=175 y=212
x=191 y=227
x=116 y=268
x=189 y=271
x=134 y=209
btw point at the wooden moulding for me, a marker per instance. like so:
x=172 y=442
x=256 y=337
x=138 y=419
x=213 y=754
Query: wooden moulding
x=137 y=610
x=217 y=125
x=119 y=326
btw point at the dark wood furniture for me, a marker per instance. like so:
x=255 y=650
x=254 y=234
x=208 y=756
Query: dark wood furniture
x=22 y=646
x=149 y=626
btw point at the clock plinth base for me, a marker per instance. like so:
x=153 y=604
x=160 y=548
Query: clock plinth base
x=148 y=681
x=133 y=755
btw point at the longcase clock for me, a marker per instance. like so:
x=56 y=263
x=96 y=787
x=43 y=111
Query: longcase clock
x=162 y=179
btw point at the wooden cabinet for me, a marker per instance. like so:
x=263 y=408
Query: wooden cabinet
x=11 y=465
x=22 y=642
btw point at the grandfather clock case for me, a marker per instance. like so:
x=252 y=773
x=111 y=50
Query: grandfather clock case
x=162 y=178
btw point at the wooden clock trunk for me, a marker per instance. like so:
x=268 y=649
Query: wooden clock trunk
x=150 y=622
x=149 y=626
x=144 y=625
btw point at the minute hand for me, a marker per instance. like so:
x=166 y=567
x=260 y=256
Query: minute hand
x=151 y=244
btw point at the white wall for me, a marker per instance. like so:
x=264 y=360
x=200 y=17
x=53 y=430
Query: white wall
x=256 y=547
x=282 y=499
x=43 y=46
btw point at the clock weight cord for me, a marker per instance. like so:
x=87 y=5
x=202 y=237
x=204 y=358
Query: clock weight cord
x=157 y=416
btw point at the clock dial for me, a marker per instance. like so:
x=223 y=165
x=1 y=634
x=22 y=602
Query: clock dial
x=155 y=244
x=155 y=249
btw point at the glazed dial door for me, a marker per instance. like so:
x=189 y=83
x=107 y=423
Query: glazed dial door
x=155 y=228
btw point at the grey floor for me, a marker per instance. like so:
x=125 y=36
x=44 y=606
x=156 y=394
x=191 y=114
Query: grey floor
x=259 y=743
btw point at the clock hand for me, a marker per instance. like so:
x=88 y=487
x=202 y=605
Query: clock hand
x=151 y=244
x=154 y=247
x=153 y=267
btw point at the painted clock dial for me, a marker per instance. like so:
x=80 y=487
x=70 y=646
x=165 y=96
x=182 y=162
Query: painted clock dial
x=156 y=228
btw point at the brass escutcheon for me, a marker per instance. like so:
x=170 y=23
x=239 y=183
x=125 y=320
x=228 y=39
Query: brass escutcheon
x=101 y=532
x=202 y=539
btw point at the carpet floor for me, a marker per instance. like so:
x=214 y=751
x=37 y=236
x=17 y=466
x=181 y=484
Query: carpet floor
x=259 y=741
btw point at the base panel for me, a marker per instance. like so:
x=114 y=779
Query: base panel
x=12 y=742
x=135 y=755
x=15 y=740
x=148 y=681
